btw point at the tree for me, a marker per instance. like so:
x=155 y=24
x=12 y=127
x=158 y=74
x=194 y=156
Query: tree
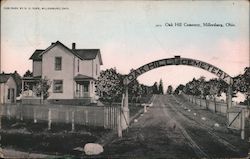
x=155 y=88
x=179 y=89
x=28 y=74
x=191 y=88
x=242 y=84
x=109 y=85
x=146 y=90
x=214 y=90
x=160 y=91
x=170 y=89
x=201 y=86
x=42 y=87
x=246 y=77
x=135 y=90
x=18 y=80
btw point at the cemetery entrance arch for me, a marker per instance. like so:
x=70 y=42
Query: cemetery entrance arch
x=177 y=60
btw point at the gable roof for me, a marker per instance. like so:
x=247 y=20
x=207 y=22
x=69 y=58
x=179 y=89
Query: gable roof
x=89 y=54
x=4 y=77
x=83 y=54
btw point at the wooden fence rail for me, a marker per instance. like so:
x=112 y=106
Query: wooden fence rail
x=215 y=106
x=103 y=116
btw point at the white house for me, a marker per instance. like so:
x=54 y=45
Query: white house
x=7 y=88
x=73 y=72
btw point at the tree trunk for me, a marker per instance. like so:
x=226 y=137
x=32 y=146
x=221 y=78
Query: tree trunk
x=200 y=100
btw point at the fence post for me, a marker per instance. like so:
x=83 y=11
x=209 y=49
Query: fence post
x=21 y=113
x=1 y=151
x=125 y=110
x=215 y=106
x=207 y=103
x=104 y=117
x=8 y=112
x=242 y=124
x=86 y=115
x=229 y=97
x=119 y=128
x=200 y=101
x=34 y=115
x=145 y=108
x=73 y=121
x=0 y=117
x=67 y=116
x=49 y=119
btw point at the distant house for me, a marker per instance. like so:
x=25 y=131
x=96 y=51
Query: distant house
x=8 y=88
x=73 y=72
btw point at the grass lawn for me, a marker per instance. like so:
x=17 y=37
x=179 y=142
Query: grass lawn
x=36 y=138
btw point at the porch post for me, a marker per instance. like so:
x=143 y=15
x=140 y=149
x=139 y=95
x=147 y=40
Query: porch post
x=79 y=90
x=90 y=89
x=74 y=89
x=125 y=111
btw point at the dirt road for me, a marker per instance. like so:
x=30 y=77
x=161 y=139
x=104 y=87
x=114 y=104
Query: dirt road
x=174 y=128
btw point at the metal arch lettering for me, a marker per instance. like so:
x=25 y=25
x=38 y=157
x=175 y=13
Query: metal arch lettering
x=177 y=60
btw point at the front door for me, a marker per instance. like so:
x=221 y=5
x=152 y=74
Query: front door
x=11 y=95
x=85 y=89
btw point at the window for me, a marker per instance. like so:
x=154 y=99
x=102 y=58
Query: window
x=8 y=93
x=78 y=68
x=96 y=69
x=85 y=86
x=58 y=86
x=58 y=63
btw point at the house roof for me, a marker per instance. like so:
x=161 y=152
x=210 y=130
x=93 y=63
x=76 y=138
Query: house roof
x=83 y=54
x=89 y=54
x=4 y=77
x=35 y=56
x=32 y=78
x=83 y=77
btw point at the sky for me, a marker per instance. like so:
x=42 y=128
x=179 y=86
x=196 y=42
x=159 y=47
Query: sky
x=130 y=34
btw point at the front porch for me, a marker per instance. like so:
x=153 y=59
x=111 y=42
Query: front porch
x=29 y=94
x=84 y=87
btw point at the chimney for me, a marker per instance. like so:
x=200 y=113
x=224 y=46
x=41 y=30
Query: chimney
x=73 y=46
x=52 y=43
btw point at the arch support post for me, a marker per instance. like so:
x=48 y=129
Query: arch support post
x=125 y=110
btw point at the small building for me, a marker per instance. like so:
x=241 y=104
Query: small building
x=8 y=88
x=71 y=71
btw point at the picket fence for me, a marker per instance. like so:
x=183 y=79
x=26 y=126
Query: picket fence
x=102 y=116
x=218 y=107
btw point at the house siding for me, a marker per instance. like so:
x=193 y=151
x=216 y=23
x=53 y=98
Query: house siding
x=66 y=73
x=86 y=67
x=4 y=90
x=2 y=94
x=69 y=69
x=37 y=68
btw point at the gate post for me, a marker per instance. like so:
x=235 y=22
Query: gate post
x=125 y=111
